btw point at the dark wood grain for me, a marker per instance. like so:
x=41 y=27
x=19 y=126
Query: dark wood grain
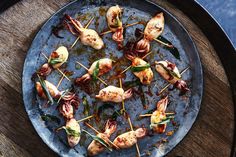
x=211 y=135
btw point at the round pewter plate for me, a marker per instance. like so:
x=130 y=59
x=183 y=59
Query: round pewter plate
x=186 y=107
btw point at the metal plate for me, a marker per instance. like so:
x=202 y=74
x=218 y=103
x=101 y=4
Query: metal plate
x=186 y=107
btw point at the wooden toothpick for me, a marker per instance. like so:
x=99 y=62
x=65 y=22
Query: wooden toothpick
x=130 y=124
x=136 y=144
x=57 y=68
x=166 y=86
x=95 y=130
x=78 y=121
x=91 y=127
x=77 y=39
x=86 y=118
x=145 y=115
x=126 y=26
x=131 y=66
x=96 y=76
x=123 y=103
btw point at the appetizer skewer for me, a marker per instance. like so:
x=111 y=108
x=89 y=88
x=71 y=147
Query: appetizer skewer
x=87 y=36
x=130 y=124
x=52 y=89
x=141 y=69
x=67 y=100
x=55 y=60
x=72 y=129
x=113 y=94
x=131 y=65
x=98 y=68
x=170 y=73
x=68 y=104
x=87 y=25
x=114 y=21
x=77 y=81
x=166 y=86
x=73 y=132
x=130 y=138
x=159 y=118
x=153 y=29
x=50 y=69
x=95 y=147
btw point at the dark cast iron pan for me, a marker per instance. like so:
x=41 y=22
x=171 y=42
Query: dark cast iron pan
x=186 y=107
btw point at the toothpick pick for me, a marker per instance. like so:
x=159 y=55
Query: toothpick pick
x=137 y=148
x=161 y=42
x=130 y=124
x=184 y=70
x=96 y=76
x=123 y=103
x=132 y=24
x=136 y=144
x=63 y=74
x=95 y=130
x=44 y=56
x=78 y=121
x=128 y=25
x=145 y=115
x=59 y=83
x=146 y=55
x=77 y=39
x=57 y=68
x=131 y=66
x=149 y=115
x=82 y=65
x=106 y=32
x=166 y=86
x=126 y=69
x=86 y=118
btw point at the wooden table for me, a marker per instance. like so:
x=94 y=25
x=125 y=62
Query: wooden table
x=211 y=135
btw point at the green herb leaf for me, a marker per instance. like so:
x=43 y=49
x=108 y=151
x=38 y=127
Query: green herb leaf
x=173 y=50
x=95 y=72
x=117 y=22
x=115 y=114
x=53 y=61
x=45 y=90
x=71 y=132
x=48 y=118
x=142 y=97
x=172 y=73
x=104 y=107
x=98 y=139
x=140 y=68
x=86 y=106
x=130 y=84
x=164 y=121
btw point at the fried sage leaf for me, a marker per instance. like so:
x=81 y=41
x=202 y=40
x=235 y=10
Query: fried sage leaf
x=71 y=132
x=86 y=106
x=50 y=118
x=140 y=68
x=173 y=50
x=130 y=84
x=45 y=90
x=164 y=121
x=98 y=139
x=54 y=61
x=96 y=72
x=172 y=73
